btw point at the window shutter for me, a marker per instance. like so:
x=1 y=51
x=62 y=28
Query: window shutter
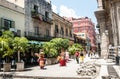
x=2 y=22
x=13 y=24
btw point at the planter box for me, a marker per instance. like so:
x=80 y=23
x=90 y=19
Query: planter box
x=50 y=61
x=72 y=56
x=20 y=66
x=6 y=67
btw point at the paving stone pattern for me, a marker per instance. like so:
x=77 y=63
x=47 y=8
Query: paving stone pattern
x=112 y=73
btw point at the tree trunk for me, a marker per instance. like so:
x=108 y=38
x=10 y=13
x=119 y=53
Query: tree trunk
x=18 y=56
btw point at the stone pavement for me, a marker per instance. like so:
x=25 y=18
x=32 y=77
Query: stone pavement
x=108 y=69
x=66 y=72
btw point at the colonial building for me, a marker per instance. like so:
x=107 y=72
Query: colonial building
x=108 y=17
x=84 y=27
x=38 y=20
x=12 y=18
x=61 y=28
x=20 y=3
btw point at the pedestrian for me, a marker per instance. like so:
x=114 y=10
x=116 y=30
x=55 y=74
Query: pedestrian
x=61 y=59
x=41 y=60
x=81 y=57
x=91 y=53
x=67 y=56
x=77 y=56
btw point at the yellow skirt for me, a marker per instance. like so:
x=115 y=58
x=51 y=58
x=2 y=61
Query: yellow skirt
x=81 y=58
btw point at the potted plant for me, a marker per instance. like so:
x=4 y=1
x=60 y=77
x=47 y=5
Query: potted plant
x=60 y=44
x=50 y=52
x=53 y=48
x=7 y=52
x=6 y=49
x=20 y=45
x=72 y=49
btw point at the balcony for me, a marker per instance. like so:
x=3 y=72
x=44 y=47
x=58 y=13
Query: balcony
x=47 y=19
x=36 y=15
x=37 y=37
x=58 y=35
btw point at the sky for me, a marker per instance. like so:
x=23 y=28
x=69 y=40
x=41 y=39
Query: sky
x=75 y=8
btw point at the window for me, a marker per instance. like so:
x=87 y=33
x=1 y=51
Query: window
x=70 y=33
x=79 y=23
x=82 y=34
x=36 y=30
x=36 y=8
x=6 y=24
x=47 y=32
x=47 y=14
x=62 y=31
x=56 y=29
x=66 y=32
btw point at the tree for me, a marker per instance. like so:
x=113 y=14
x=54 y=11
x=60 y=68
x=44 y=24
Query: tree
x=54 y=47
x=6 y=44
x=60 y=44
x=49 y=49
x=72 y=49
x=20 y=45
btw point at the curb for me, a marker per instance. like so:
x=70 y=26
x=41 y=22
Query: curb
x=6 y=76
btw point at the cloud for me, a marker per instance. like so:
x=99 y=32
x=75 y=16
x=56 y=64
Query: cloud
x=54 y=8
x=64 y=11
x=67 y=12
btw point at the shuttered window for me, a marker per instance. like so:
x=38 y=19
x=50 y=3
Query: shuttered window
x=1 y=23
x=6 y=24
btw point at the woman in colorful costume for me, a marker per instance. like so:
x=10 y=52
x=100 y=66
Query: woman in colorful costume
x=61 y=59
x=41 y=60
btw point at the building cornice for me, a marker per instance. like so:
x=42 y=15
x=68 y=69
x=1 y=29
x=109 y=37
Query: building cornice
x=100 y=13
x=12 y=6
x=114 y=1
x=57 y=18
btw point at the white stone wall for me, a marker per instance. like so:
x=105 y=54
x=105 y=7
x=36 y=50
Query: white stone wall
x=118 y=21
x=11 y=13
x=115 y=22
x=17 y=2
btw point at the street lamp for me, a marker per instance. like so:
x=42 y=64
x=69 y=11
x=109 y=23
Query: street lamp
x=88 y=45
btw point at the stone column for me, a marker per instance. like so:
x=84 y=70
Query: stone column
x=104 y=38
x=104 y=46
x=100 y=6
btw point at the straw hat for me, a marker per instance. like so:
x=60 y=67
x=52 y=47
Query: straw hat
x=41 y=53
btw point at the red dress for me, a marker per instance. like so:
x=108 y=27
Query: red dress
x=62 y=61
x=42 y=62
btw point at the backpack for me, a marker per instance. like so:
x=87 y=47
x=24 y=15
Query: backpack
x=77 y=54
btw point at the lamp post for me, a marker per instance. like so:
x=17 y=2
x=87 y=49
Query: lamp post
x=87 y=45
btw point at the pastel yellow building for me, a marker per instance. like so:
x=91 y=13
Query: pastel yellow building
x=12 y=17
x=61 y=28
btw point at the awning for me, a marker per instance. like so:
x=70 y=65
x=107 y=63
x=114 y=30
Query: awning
x=35 y=42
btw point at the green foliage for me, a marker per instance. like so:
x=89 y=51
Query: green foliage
x=10 y=44
x=53 y=48
x=60 y=43
x=72 y=49
x=49 y=49
x=5 y=49
x=7 y=34
x=20 y=44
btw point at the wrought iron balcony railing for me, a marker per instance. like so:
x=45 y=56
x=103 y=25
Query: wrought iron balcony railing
x=37 y=36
